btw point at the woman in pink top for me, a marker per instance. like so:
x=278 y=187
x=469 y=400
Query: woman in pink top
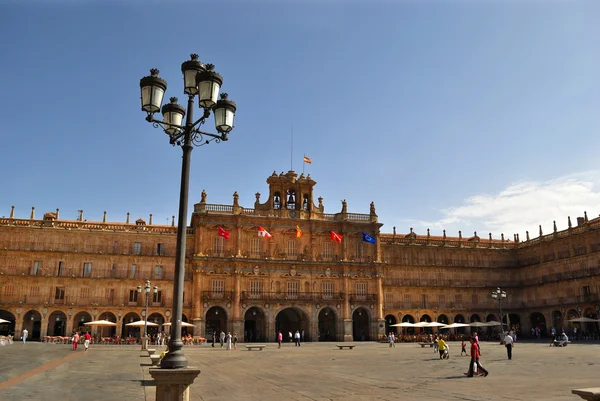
x=75 y=341
x=279 y=339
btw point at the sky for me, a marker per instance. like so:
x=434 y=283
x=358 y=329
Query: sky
x=449 y=115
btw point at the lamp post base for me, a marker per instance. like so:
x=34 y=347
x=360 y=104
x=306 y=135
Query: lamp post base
x=144 y=343
x=174 y=384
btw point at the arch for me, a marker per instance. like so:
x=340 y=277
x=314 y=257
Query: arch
x=490 y=318
x=290 y=320
x=32 y=321
x=79 y=319
x=361 y=324
x=276 y=201
x=184 y=318
x=390 y=320
x=590 y=327
x=557 y=319
x=327 y=324
x=129 y=331
x=107 y=331
x=538 y=320
x=460 y=319
x=158 y=319
x=255 y=325
x=57 y=324
x=515 y=322
x=216 y=320
x=475 y=318
x=442 y=319
x=408 y=319
x=425 y=318
x=7 y=329
x=572 y=314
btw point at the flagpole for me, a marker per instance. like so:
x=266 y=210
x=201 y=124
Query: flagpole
x=292 y=149
x=303 y=163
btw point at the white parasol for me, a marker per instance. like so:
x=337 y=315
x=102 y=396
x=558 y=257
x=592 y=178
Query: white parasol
x=4 y=321
x=435 y=324
x=479 y=324
x=454 y=325
x=403 y=324
x=141 y=323
x=100 y=323
x=583 y=320
x=183 y=324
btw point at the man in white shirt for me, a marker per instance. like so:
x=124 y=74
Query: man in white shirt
x=24 y=335
x=508 y=341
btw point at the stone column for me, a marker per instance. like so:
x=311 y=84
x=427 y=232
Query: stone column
x=237 y=321
x=18 y=327
x=380 y=328
x=197 y=296
x=346 y=312
x=174 y=384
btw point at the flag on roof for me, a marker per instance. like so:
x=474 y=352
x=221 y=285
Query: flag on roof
x=336 y=237
x=368 y=238
x=298 y=232
x=263 y=233
x=223 y=233
x=307 y=160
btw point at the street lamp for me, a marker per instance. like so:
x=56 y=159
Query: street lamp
x=202 y=81
x=499 y=295
x=147 y=288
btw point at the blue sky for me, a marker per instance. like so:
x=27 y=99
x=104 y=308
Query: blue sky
x=456 y=115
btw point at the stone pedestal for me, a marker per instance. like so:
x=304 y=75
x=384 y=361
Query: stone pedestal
x=590 y=394
x=144 y=343
x=348 y=330
x=173 y=384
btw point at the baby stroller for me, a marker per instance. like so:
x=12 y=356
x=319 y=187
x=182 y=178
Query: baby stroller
x=445 y=354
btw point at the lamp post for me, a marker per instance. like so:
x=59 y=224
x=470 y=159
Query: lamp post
x=202 y=81
x=147 y=288
x=499 y=295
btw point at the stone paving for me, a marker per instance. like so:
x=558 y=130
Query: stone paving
x=314 y=371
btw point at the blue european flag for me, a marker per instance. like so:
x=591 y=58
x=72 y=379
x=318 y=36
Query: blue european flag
x=368 y=238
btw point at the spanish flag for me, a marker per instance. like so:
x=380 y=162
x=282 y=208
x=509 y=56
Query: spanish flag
x=307 y=160
x=298 y=232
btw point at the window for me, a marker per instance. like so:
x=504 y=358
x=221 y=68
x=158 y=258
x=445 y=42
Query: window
x=59 y=271
x=132 y=271
x=218 y=288
x=255 y=247
x=84 y=292
x=291 y=248
x=109 y=294
x=424 y=301
x=474 y=300
x=442 y=301
x=293 y=288
x=256 y=288
x=218 y=247
x=87 y=269
x=59 y=293
x=37 y=268
x=160 y=249
x=158 y=272
x=291 y=199
x=327 y=289
x=407 y=301
x=360 y=250
x=327 y=253
x=586 y=291
x=137 y=248
x=276 y=200
x=34 y=291
x=458 y=300
x=133 y=295
x=157 y=296
x=9 y=290
x=388 y=300
x=115 y=247
x=362 y=289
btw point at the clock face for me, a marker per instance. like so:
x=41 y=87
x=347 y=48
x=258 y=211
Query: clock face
x=292 y=214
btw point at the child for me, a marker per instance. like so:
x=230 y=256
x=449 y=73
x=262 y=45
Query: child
x=463 y=349
x=235 y=341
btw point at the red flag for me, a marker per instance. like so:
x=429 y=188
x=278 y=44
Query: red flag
x=336 y=237
x=307 y=160
x=263 y=233
x=298 y=232
x=223 y=233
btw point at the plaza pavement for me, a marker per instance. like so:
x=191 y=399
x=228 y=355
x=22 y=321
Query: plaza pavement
x=314 y=371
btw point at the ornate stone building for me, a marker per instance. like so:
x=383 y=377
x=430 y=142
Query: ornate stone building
x=57 y=274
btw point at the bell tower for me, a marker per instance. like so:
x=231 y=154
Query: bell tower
x=289 y=196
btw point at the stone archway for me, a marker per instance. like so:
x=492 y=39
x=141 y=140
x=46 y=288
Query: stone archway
x=130 y=331
x=107 y=331
x=460 y=319
x=32 y=321
x=425 y=318
x=538 y=320
x=515 y=322
x=255 y=325
x=57 y=324
x=7 y=329
x=590 y=327
x=290 y=320
x=216 y=320
x=389 y=321
x=408 y=319
x=327 y=324
x=557 y=320
x=79 y=321
x=158 y=319
x=442 y=319
x=361 y=324
x=475 y=318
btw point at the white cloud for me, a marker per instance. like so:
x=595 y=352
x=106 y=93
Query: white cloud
x=523 y=207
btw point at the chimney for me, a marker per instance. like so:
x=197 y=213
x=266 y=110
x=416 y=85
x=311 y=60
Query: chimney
x=580 y=221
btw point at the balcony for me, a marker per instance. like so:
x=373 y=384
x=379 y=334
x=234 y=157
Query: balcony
x=94 y=274
x=363 y=297
x=217 y=295
x=293 y=296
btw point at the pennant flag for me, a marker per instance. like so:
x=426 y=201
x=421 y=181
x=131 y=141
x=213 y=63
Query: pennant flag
x=368 y=238
x=298 y=232
x=336 y=237
x=223 y=233
x=263 y=233
x=307 y=160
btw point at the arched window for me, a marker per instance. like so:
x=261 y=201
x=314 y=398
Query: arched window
x=305 y=204
x=276 y=200
x=291 y=199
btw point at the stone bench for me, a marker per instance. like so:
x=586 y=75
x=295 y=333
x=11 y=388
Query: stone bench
x=155 y=359
x=346 y=346
x=590 y=394
x=258 y=347
x=151 y=351
x=559 y=343
x=424 y=344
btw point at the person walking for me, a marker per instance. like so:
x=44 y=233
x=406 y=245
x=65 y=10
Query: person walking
x=235 y=341
x=435 y=344
x=509 y=341
x=228 y=340
x=463 y=348
x=279 y=339
x=214 y=338
x=475 y=360
x=24 y=335
x=222 y=338
x=297 y=338
x=86 y=340
x=443 y=348
x=75 y=341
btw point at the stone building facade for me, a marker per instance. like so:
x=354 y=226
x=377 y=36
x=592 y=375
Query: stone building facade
x=57 y=274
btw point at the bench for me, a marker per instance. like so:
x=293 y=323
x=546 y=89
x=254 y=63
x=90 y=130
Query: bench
x=258 y=347
x=346 y=346
x=155 y=359
x=424 y=344
x=560 y=343
x=590 y=394
x=151 y=351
